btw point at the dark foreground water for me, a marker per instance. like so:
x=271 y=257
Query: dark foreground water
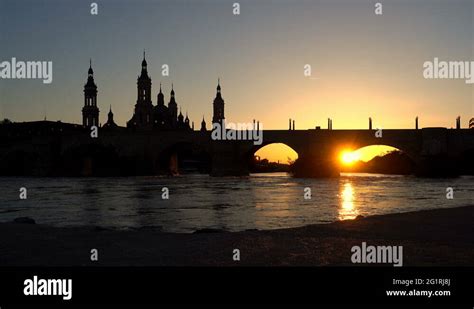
x=261 y=201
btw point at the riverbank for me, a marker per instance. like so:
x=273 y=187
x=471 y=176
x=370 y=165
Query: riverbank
x=441 y=237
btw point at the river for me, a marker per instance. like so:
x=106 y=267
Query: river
x=260 y=201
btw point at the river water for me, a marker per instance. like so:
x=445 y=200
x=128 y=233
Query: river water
x=260 y=201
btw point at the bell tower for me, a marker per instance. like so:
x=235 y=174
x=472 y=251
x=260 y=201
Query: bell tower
x=144 y=106
x=218 y=106
x=90 y=111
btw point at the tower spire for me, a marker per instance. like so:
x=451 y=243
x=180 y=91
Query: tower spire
x=144 y=64
x=110 y=124
x=90 y=72
x=203 y=124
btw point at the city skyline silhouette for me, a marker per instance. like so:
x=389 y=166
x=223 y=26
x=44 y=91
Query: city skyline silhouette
x=259 y=58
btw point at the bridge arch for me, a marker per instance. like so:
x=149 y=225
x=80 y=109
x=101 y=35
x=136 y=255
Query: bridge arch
x=377 y=159
x=282 y=145
x=19 y=162
x=271 y=151
x=182 y=157
x=408 y=148
x=93 y=159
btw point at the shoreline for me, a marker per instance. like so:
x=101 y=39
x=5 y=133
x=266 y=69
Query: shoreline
x=438 y=237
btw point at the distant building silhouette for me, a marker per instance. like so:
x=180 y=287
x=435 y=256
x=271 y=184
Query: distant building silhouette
x=173 y=109
x=218 y=105
x=471 y=123
x=161 y=114
x=162 y=117
x=110 y=124
x=146 y=116
x=186 y=120
x=90 y=112
x=142 y=116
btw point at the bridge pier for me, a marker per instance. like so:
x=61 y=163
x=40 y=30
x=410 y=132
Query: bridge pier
x=437 y=166
x=315 y=165
x=435 y=158
x=228 y=159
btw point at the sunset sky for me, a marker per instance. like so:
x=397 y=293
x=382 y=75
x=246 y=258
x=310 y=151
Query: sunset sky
x=362 y=64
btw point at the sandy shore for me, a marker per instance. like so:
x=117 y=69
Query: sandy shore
x=443 y=237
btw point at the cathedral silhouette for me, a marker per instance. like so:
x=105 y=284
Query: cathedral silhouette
x=146 y=116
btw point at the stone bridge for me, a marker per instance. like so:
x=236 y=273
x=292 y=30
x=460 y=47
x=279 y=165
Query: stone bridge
x=435 y=151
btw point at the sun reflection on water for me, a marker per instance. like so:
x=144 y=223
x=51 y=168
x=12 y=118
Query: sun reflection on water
x=347 y=210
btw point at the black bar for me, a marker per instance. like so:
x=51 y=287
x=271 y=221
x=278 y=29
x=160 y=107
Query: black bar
x=239 y=285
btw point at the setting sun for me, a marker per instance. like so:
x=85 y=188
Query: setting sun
x=349 y=157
